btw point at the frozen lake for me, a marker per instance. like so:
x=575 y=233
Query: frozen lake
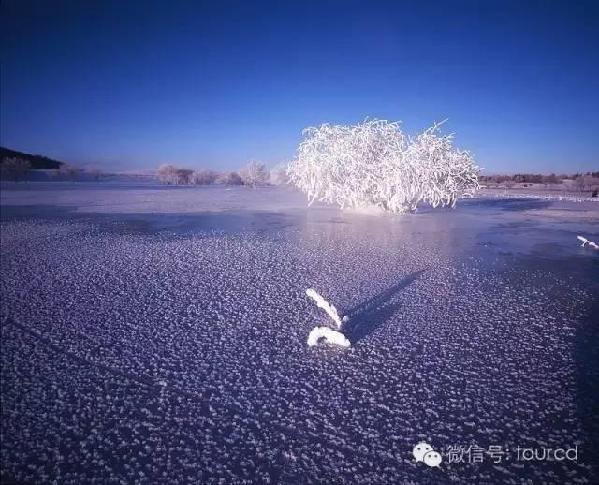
x=158 y=334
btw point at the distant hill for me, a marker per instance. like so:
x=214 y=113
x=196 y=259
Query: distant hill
x=36 y=161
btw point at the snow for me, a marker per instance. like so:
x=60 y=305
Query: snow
x=159 y=335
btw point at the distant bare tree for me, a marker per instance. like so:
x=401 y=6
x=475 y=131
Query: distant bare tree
x=171 y=175
x=550 y=179
x=579 y=182
x=254 y=174
x=14 y=169
x=229 y=178
x=184 y=176
x=167 y=174
x=589 y=181
x=204 y=177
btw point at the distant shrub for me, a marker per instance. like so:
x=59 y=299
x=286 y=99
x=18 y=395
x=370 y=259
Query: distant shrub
x=171 y=175
x=167 y=174
x=204 y=177
x=184 y=176
x=254 y=174
x=229 y=178
x=586 y=182
x=551 y=179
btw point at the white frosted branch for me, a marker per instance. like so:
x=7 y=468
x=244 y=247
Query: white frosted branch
x=586 y=242
x=330 y=336
x=326 y=306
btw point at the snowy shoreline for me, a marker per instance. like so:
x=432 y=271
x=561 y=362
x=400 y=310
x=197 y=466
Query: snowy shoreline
x=533 y=194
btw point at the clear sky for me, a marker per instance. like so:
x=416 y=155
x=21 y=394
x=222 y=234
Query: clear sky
x=127 y=85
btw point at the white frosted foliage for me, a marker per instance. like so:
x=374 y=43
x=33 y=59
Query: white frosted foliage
x=374 y=163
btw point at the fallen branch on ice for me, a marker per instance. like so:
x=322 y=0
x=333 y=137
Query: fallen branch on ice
x=330 y=336
x=327 y=307
x=585 y=242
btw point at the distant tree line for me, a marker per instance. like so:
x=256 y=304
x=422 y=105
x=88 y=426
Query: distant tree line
x=253 y=174
x=35 y=161
x=15 y=169
x=535 y=178
x=588 y=181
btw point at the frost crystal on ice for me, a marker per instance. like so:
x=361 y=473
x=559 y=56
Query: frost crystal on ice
x=374 y=164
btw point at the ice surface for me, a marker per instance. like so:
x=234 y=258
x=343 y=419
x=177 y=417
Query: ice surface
x=170 y=347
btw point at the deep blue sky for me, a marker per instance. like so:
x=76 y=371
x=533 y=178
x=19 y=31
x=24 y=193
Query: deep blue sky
x=134 y=84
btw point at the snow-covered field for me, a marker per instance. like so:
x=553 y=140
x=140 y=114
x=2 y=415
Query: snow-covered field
x=158 y=335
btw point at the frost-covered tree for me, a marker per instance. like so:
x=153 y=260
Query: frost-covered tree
x=167 y=174
x=184 y=175
x=229 y=178
x=171 y=175
x=254 y=174
x=278 y=175
x=374 y=163
x=204 y=177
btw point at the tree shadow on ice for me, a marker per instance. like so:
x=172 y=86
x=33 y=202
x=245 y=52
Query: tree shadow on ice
x=370 y=314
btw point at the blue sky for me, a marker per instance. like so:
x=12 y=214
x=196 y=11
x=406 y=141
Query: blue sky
x=128 y=85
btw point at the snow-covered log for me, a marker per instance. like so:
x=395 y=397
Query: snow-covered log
x=328 y=335
x=374 y=164
x=326 y=306
x=586 y=242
